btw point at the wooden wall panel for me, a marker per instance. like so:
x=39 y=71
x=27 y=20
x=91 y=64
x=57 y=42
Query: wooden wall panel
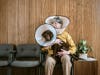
x=97 y=28
x=20 y=18
x=23 y=21
x=72 y=15
x=3 y=22
x=12 y=21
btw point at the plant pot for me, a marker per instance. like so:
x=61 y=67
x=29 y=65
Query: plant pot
x=83 y=56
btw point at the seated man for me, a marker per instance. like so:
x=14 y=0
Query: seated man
x=59 y=23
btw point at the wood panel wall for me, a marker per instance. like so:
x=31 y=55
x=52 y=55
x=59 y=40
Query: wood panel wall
x=20 y=18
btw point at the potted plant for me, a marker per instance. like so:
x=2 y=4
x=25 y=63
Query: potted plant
x=83 y=49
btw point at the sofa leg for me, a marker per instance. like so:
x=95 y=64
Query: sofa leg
x=9 y=71
x=39 y=70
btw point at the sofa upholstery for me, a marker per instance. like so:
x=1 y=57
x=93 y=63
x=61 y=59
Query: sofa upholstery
x=5 y=54
x=27 y=55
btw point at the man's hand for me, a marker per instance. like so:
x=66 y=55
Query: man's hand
x=63 y=52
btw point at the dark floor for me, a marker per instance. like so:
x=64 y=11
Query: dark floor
x=30 y=71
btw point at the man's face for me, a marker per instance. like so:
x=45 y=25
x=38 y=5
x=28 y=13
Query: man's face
x=56 y=25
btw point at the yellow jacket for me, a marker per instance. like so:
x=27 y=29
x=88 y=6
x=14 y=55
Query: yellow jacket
x=67 y=39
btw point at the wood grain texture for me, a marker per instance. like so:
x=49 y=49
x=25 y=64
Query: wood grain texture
x=20 y=18
x=85 y=67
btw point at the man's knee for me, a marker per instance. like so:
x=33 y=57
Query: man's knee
x=50 y=60
x=65 y=58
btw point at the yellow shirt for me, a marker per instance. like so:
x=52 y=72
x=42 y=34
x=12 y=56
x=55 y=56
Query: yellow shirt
x=67 y=39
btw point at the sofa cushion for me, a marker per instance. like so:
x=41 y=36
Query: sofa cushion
x=25 y=63
x=3 y=63
x=5 y=49
x=28 y=50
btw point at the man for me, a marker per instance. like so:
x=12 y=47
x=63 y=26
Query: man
x=59 y=23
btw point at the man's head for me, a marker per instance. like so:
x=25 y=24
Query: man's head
x=57 y=22
x=47 y=35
